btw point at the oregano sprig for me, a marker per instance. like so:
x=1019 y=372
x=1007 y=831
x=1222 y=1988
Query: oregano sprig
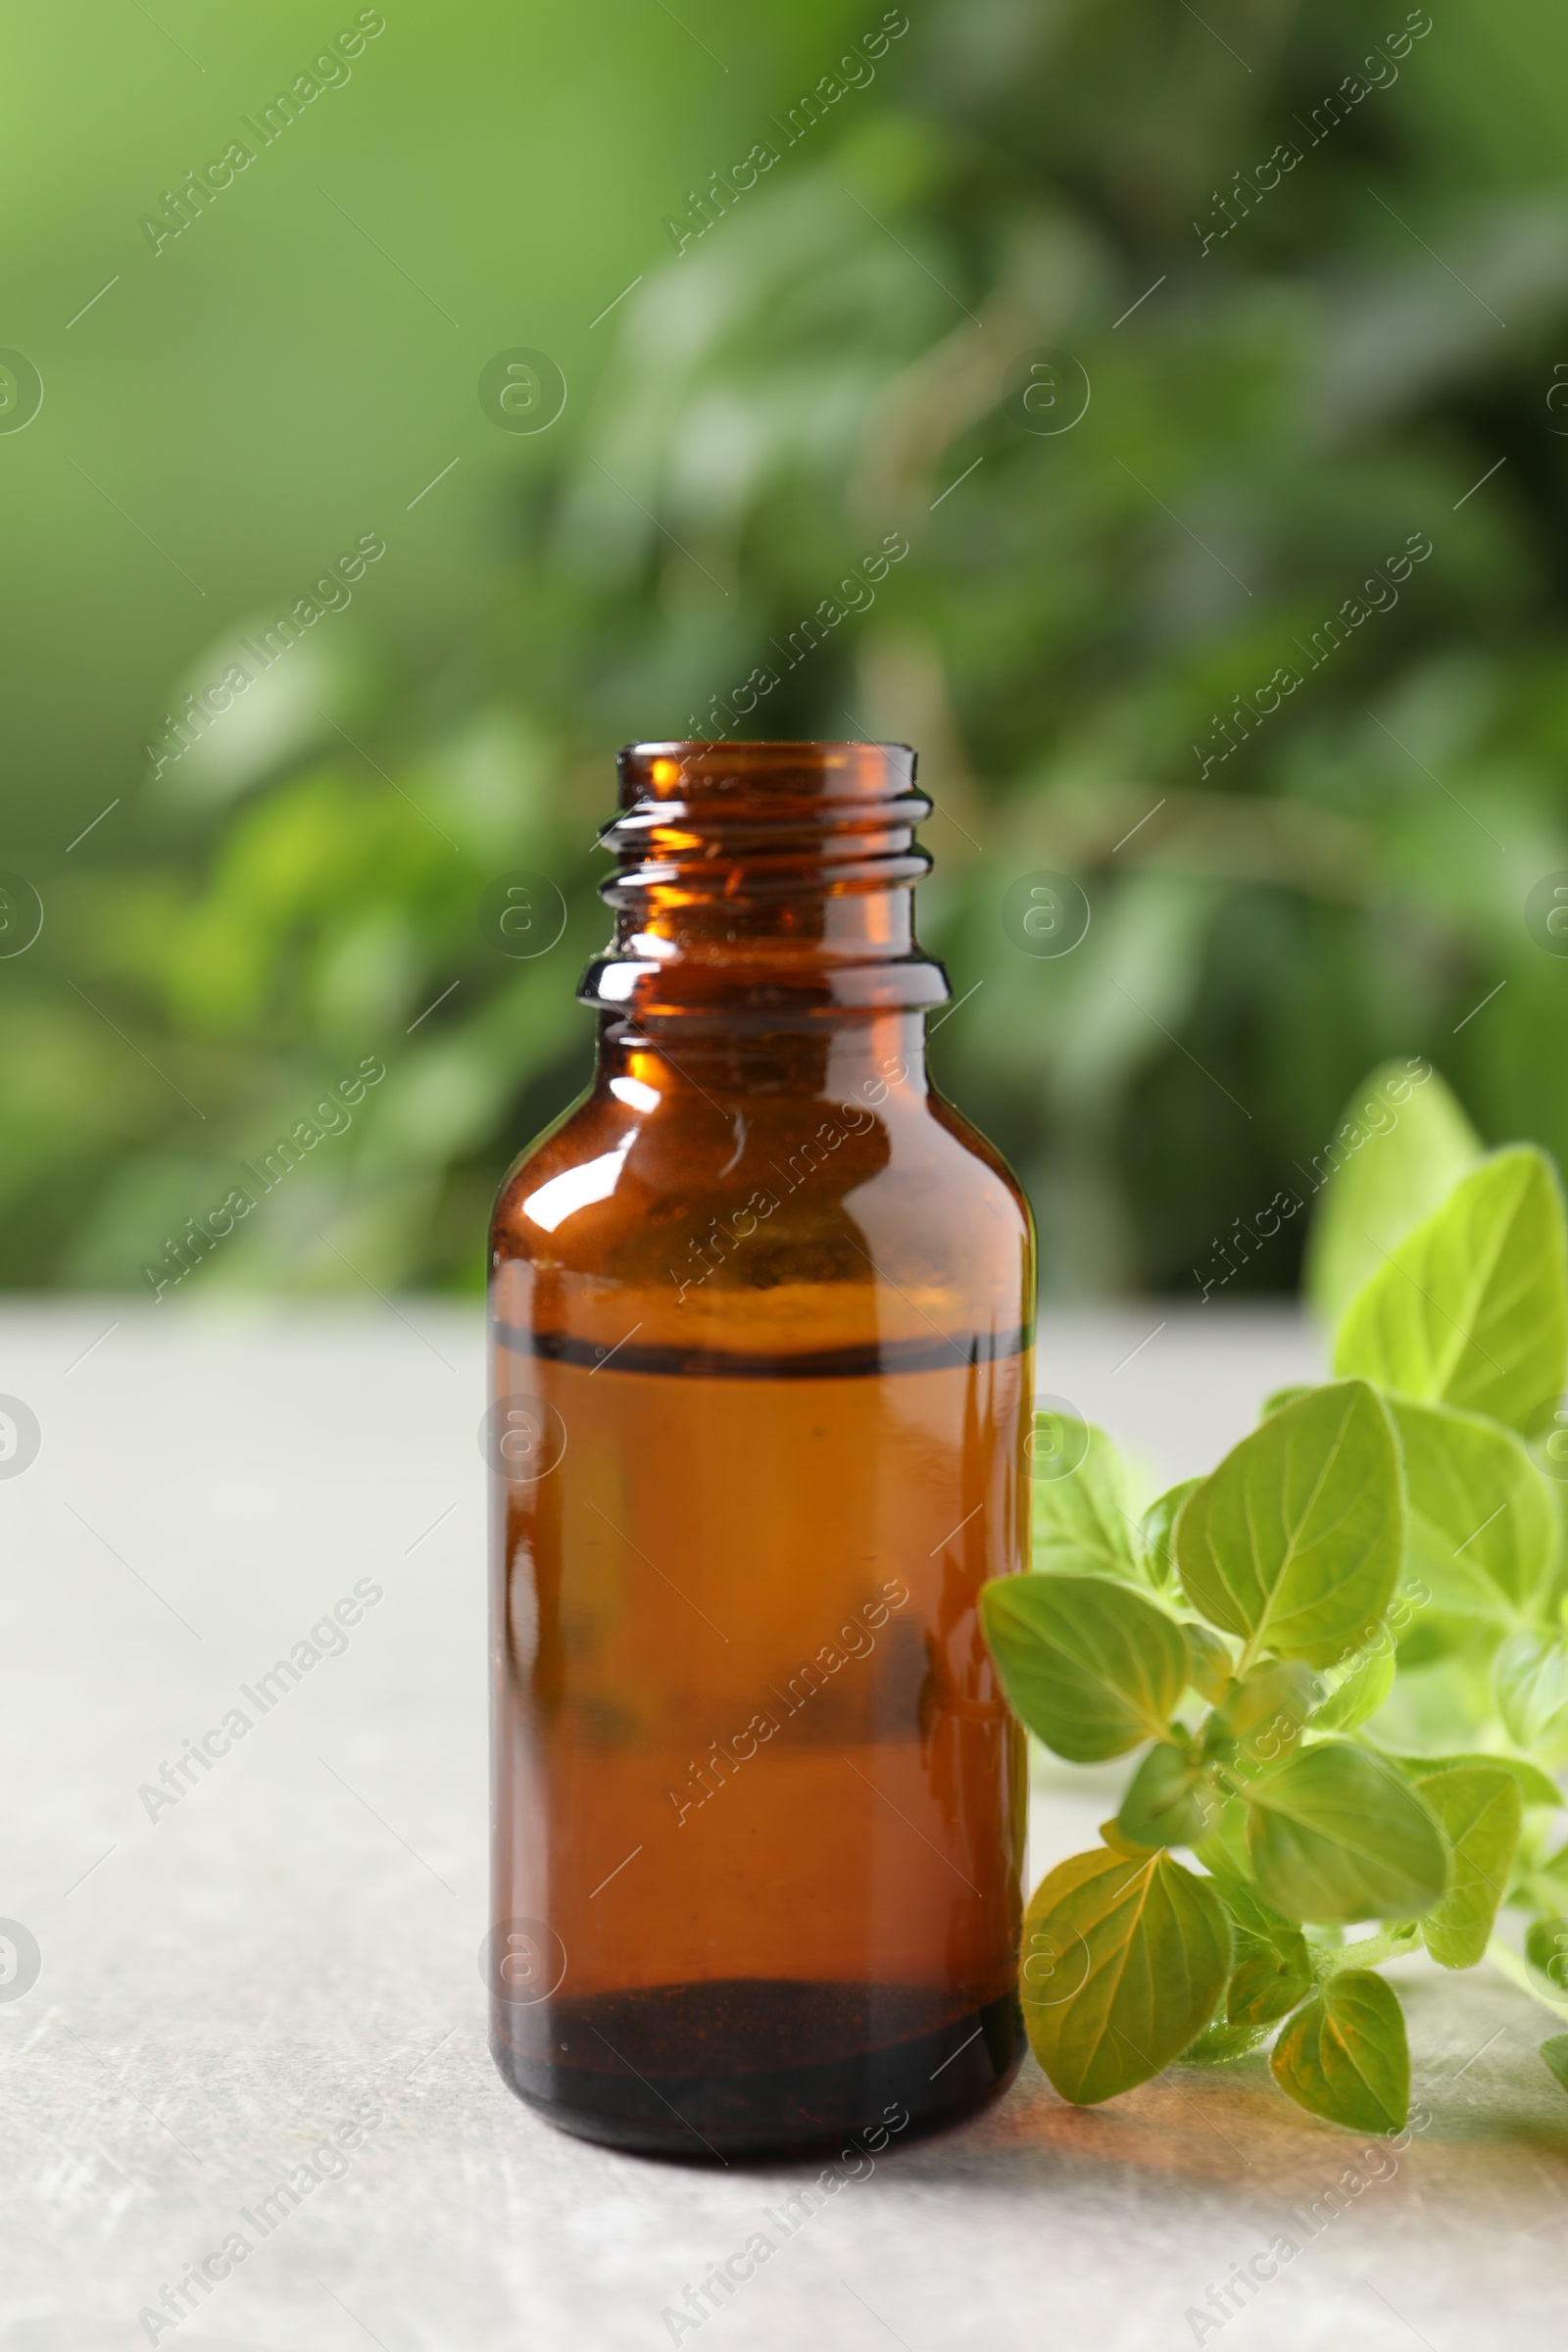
x=1251 y=1638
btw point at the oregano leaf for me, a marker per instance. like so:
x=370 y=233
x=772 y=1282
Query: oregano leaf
x=1279 y=1692
x=1211 y=1665
x=1293 y=1543
x=1090 y=1665
x=1529 y=1676
x=1081 y=1523
x=1479 y=1811
x=1223 y=1849
x=1271 y=1972
x=1485 y=1531
x=1336 y=1836
x=1169 y=1798
x=1471 y=1307
x=1219 y=2044
x=1123 y=1963
x=1546 y=1949
x=1279 y=1398
x=1121 y=1843
x=1156 y=1531
x=1402 y=1144
x=1533 y=1786
x=1344 y=2055
x=1356 y=1697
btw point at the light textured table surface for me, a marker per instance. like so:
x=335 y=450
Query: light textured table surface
x=296 y=1940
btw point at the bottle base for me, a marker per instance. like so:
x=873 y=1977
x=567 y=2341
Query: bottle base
x=755 y=2068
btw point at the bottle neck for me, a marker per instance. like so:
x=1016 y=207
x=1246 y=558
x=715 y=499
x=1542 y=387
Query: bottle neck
x=857 y=1061
x=764 y=889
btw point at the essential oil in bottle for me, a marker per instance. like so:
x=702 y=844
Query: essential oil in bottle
x=760 y=1313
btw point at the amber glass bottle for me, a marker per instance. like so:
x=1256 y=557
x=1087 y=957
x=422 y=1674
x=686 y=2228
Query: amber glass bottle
x=760 y=1317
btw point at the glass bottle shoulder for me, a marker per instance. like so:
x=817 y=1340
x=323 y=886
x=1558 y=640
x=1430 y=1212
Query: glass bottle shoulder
x=771 y=1221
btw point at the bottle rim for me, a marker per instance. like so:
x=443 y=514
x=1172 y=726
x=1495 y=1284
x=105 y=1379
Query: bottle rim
x=688 y=769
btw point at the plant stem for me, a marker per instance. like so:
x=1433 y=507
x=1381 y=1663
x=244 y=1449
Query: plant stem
x=1388 y=1944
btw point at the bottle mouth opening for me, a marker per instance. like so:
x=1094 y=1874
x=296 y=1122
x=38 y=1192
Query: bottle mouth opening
x=690 y=773
x=682 y=807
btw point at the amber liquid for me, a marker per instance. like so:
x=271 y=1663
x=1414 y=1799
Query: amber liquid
x=759 y=1807
x=758 y=1305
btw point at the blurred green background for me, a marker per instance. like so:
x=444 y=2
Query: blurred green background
x=1290 y=374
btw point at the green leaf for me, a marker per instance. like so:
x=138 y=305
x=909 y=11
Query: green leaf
x=1121 y=1843
x=1156 y=1531
x=1266 y=1985
x=1357 y=1696
x=1122 y=1965
x=1530 y=1676
x=1279 y=1398
x=1430 y=1637
x=1554 y=2053
x=1218 y=2044
x=1471 y=1308
x=1279 y=1694
x=1081 y=1523
x=1546 y=1948
x=1404 y=1145
x=1209 y=1662
x=1088 y=1665
x=1484 y=1526
x=1249 y=1914
x=1533 y=1786
x=1345 y=2056
x=1480 y=1811
x=1169 y=1799
x=1334 y=1835
x=1294 y=1542
x=1513 y=1965
x=1272 y=1968
x=1223 y=1850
